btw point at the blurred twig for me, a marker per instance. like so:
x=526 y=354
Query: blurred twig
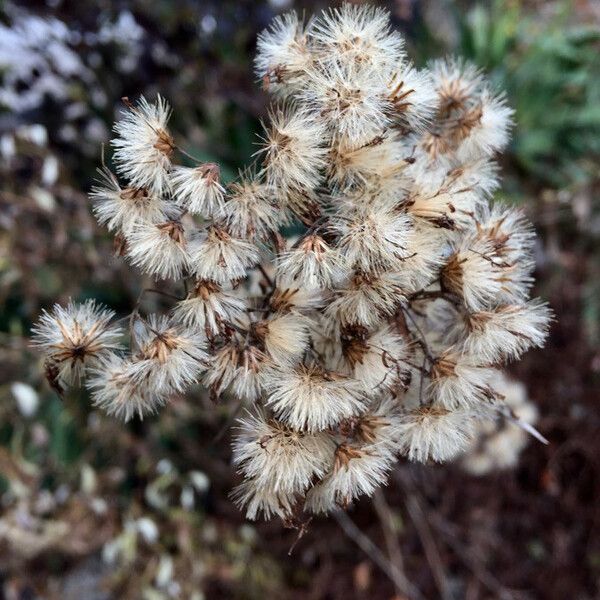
x=398 y=578
x=423 y=522
x=415 y=511
x=386 y=518
x=464 y=554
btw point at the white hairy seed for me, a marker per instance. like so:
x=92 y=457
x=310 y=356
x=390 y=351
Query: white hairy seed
x=308 y=398
x=367 y=299
x=144 y=146
x=218 y=256
x=169 y=357
x=382 y=159
x=483 y=273
x=160 y=249
x=237 y=368
x=450 y=205
x=263 y=500
x=357 y=471
x=279 y=458
x=292 y=150
x=457 y=381
x=428 y=249
x=198 y=189
x=413 y=98
x=116 y=390
x=74 y=338
x=285 y=337
x=374 y=241
x=250 y=211
x=506 y=332
x=349 y=100
x=489 y=133
x=358 y=35
x=431 y=433
x=376 y=360
x=312 y=263
x=283 y=55
x=288 y=296
x=122 y=209
x=208 y=308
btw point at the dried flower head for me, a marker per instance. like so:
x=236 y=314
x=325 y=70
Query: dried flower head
x=209 y=308
x=198 y=189
x=115 y=389
x=75 y=338
x=263 y=446
x=293 y=151
x=160 y=249
x=431 y=433
x=375 y=334
x=144 y=146
x=218 y=256
x=169 y=357
x=309 y=398
x=122 y=209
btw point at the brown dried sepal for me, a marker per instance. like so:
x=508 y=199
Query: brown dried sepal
x=164 y=143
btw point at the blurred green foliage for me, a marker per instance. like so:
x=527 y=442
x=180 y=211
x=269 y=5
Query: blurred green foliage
x=550 y=70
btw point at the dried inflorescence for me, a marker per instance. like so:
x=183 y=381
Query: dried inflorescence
x=378 y=331
x=499 y=442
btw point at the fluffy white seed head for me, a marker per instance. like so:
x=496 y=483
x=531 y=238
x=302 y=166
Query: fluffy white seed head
x=216 y=255
x=367 y=299
x=358 y=470
x=144 y=146
x=160 y=249
x=261 y=500
x=482 y=273
x=436 y=434
x=309 y=398
x=279 y=458
x=375 y=240
x=506 y=332
x=74 y=338
x=285 y=337
x=238 y=368
x=358 y=35
x=312 y=263
x=198 y=189
x=380 y=161
x=492 y=120
x=288 y=296
x=413 y=98
x=168 y=357
x=283 y=54
x=122 y=209
x=115 y=389
x=377 y=359
x=293 y=149
x=250 y=210
x=349 y=99
x=458 y=381
x=208 y=308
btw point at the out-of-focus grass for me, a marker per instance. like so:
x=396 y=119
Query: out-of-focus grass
x=550 y=70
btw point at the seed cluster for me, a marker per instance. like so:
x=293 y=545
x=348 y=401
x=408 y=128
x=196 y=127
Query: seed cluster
x=378 y=331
